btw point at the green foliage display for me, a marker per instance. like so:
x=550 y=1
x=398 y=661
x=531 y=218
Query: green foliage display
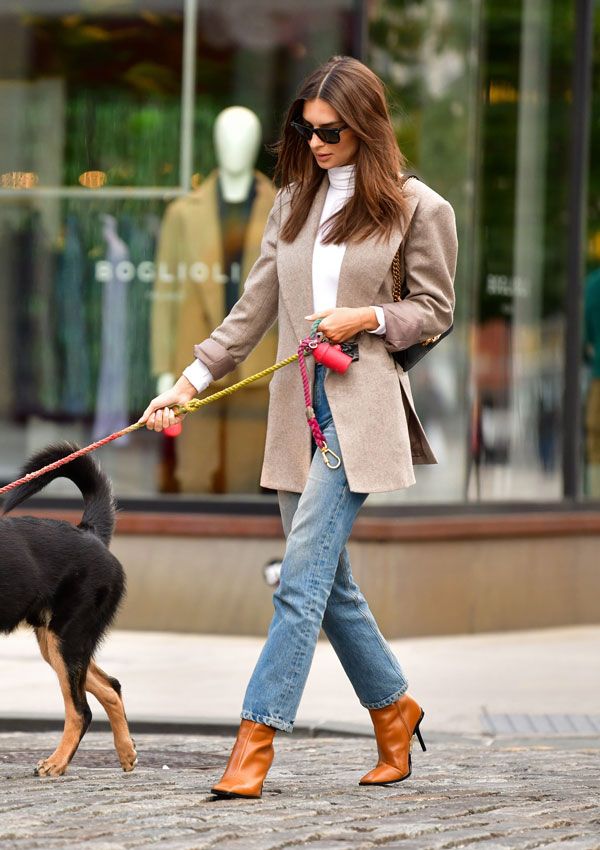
x=423 y=50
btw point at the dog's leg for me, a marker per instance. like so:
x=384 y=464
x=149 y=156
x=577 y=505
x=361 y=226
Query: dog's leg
x=77 y=711
x=42 y=639
x=108 y=693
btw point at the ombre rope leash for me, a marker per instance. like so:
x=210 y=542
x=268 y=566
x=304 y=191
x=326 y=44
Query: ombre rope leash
x=196 y=404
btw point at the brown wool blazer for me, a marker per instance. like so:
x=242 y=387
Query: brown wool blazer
x=379 y=431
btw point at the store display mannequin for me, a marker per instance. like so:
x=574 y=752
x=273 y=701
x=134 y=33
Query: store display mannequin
x=209 y=241
x=236 y=137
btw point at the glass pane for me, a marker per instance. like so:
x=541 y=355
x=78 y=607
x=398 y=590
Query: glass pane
x=591 y=317
x=427 y=53
x=518 y=349
x=90 y=96
x=490 y=396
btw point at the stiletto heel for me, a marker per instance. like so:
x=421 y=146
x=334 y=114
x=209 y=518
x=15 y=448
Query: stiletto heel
x=417 y=732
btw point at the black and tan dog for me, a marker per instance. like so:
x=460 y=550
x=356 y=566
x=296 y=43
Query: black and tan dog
x=63 y=581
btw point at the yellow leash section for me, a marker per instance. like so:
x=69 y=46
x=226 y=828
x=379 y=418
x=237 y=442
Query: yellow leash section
x=196 y=403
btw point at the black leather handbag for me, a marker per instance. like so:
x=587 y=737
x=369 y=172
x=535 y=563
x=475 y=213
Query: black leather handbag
x=408 y=357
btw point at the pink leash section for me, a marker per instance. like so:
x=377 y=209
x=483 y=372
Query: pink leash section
x=334 y=358
x=310 y=344
x=315 y=344
x=67 y=459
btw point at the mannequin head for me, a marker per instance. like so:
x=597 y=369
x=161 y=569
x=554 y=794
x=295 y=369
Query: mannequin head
x=237 y=134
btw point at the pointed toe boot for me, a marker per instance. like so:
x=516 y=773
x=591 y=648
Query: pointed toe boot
x=395 y=726
x=249 y=762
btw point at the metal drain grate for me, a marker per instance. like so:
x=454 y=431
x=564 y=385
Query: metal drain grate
x=540 y=724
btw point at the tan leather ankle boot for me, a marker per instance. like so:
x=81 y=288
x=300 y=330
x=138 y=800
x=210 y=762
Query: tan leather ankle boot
x=394 y=727
x=249 y=762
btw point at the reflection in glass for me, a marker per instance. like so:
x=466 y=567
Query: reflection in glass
x=94 y=95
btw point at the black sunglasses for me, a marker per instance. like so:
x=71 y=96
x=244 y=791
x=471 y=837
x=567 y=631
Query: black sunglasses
x=329 y=135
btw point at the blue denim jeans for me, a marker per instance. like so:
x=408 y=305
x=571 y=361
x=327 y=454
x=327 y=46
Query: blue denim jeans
x=317 y=589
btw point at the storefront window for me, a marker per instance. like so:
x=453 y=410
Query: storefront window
x=124 y=243
x=428 y=53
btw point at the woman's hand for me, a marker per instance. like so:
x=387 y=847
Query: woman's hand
x=342 y=323
x=157 y=415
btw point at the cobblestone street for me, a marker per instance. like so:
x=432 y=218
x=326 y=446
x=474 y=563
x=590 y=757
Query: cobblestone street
x=465 y=791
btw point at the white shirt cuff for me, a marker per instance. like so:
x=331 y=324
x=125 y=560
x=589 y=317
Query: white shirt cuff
x=198 y=374
x=380 y=330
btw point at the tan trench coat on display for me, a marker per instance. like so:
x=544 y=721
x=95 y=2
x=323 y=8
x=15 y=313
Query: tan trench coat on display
x=188 y=298
x=219 y=450
x=379 y=432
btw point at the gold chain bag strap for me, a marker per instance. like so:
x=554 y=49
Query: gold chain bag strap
x=411 y=355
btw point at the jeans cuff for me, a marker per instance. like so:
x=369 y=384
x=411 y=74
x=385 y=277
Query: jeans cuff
x=388 y=700
x=275 y=722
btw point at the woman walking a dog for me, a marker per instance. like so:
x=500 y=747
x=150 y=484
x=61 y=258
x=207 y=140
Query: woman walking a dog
x=342 y=213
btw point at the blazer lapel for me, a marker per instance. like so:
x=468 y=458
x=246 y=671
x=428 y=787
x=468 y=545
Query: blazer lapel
x=295 y=266
x=366 y=264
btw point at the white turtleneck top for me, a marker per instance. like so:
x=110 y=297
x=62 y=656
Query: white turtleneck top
x=326 y=265
x=327 y=259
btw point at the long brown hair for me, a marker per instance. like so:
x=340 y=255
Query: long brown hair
x=358 y=96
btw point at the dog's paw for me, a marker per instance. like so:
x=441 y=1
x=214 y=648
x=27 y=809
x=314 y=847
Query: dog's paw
x=49 y=767
x=128 y=758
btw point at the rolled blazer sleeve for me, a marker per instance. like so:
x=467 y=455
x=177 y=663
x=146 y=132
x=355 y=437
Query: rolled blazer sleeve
x=430 y=254
x=254 y=313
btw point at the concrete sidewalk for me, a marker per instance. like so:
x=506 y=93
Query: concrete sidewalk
x=199 y=679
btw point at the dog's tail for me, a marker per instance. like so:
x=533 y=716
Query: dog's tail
x=99 y=510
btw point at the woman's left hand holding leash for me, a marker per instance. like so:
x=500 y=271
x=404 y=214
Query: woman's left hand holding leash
x=341 y=323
